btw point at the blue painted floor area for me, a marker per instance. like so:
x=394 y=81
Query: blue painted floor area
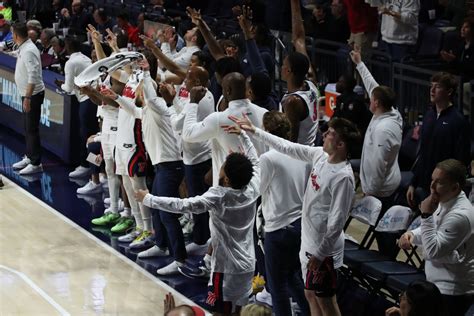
x=55 y=188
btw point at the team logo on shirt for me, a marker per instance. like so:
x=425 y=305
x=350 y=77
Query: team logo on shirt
x=314 y=181
x=211 y=298
x=128 y=92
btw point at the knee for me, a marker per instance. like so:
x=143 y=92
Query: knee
x=310 y=296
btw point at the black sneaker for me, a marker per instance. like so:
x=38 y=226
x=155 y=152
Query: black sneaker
x=199 y=271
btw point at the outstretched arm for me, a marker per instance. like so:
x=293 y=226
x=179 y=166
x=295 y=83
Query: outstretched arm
x=214 y=48
x=299 y=36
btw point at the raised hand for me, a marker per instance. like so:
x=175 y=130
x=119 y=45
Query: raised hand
x=148 y=42
x=232 y=129
x=245 y=22
x=243 y=122
x=111 y=38
x=167 y=92
x=169 y=303
x=197 y=93
x=195 y=15
x=355 y=55
x=143 y=64
x=95 y=35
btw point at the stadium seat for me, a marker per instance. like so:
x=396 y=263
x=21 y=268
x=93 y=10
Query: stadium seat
x=399 y=283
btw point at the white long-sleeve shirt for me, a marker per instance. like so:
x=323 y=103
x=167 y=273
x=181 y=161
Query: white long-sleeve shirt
x=379 y=171
x=283 y=183
x=211 y=128
x=28 y=68
x=405 y=29
x=327 y=200
x=158 y=135
x=74 y=66
x=447 y=239
x=181 y=58
x=193 y=152
x=232 y=214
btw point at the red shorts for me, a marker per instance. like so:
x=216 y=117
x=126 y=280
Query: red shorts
x=324 y=281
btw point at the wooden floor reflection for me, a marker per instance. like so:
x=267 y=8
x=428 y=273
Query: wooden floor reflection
x=50 y=266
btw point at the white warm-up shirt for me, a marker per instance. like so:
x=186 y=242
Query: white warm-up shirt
x=327 y=200
x=282 y=185
x=379 y=171
x=181 y=58
x=158 y=135
x=193 y=152
x=232 y=214
x=74 y=66
x=28 y=68
x=447 y=238
x=211 y=128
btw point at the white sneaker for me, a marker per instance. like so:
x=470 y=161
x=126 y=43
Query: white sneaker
x=264 y=297
x=90 y=188
x=103 y=179
x=25 y=161
x=131 y=235
x=195 y=249
x=79 y=172
x=154 y=251
x=107 y=201
x=30 y=169
x=172 y=268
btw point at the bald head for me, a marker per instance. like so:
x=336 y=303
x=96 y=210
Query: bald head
x=196 y=76
x=234 y=87
x=182 y=310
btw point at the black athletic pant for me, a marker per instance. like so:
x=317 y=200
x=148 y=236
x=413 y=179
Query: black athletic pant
x=31 y=122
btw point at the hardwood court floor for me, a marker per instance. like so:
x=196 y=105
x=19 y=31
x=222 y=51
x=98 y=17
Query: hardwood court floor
x=51 y=266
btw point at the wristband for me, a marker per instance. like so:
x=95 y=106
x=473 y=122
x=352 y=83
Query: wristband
x=426 y=215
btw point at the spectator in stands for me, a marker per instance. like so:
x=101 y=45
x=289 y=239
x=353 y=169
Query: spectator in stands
x=363 y=21
x=6 y=10
x=460 y=61
x=444 y=134
x=103 y=21
x=34 y=25
x=282 y=188
x=29 y=81
x=77 y=20
x=130 y=30
x=399 y=26
x=60 y=54
x=447 y=236
x=350 y=105
x=34 y=36
x=327 y=201
x=5 y=30
x=47 y=53
x=421 y=298
x=329 y=23
x=454 y=11
x=87 y=109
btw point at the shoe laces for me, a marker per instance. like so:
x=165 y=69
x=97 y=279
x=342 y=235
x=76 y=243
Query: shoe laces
x=143 y=235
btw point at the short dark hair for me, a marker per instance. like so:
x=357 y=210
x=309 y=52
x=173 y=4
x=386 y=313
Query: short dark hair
x=299 y=65
x=385 y=95
x=122 y=39
x=123 y=15
x=73 y=43
x=226 y=65
x=102 y=13
x=204 y=59
x=455 y=170
x=239 y=170
x=261 y=85
x=348 y=133
x=425 y=299
x=20 y=29
x=447 y=80
x=200 y=41
x=277 y=123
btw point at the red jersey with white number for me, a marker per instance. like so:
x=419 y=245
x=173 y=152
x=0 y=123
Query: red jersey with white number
x=308 y=126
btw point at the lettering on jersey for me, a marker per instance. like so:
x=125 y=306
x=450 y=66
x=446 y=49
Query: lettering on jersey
x=128 y=92
x=314 y=181
x=183 y=93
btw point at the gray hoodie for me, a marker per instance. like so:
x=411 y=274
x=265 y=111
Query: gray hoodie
x=379 y=172
x=403 y=30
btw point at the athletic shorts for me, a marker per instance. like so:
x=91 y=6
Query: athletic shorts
x=130 y=163
x=227 y=291
x=324 y=281
x=108 y=145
